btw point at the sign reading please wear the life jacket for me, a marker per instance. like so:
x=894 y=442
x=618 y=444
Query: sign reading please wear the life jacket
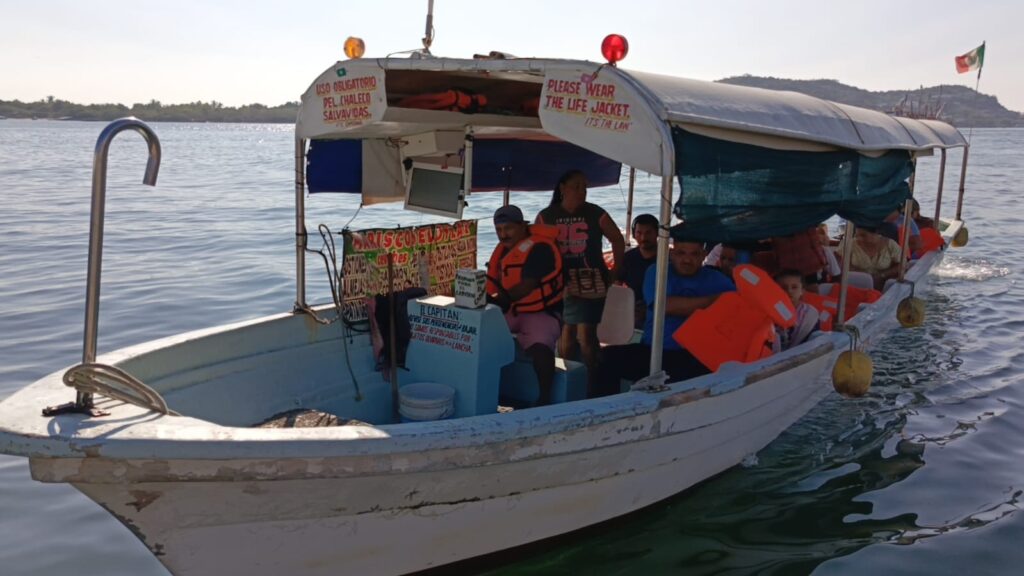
x=346 y=97
x=426 y=256
x=595 y=110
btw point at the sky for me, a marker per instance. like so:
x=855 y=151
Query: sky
x=259 y=51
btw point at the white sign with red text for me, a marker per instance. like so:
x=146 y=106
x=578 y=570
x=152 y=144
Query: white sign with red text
x=597 y=112
x=348 y=96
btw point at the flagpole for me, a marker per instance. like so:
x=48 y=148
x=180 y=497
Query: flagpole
x=970 y=132
x=977 y=83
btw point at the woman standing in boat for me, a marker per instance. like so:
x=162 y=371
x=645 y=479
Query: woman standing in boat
x=582 y=227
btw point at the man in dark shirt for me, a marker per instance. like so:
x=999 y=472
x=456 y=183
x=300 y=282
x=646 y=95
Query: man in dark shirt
x=637 y=260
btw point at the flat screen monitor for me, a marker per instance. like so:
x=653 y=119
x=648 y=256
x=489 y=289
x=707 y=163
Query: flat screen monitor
x=435 y=190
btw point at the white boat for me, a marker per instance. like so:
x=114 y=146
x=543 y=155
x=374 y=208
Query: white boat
x=180 y=464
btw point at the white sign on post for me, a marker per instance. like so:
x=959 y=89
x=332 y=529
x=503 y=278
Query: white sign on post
x=470 y=288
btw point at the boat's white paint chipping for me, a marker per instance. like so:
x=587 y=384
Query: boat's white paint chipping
x=321 y=524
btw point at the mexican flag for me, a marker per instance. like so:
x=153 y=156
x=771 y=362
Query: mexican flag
x=973 y=60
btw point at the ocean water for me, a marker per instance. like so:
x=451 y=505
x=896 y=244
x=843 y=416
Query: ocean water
x=923 y=475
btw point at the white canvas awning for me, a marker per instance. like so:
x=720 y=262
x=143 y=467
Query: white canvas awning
x=620 y=114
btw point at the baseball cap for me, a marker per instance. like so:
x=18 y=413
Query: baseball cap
x=508 y=214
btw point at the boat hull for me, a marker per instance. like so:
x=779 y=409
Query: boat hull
x=392 y=499
x=398 y=523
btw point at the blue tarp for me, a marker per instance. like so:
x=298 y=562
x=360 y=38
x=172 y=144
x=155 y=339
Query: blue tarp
x=739 y=192
x=536 y=165
x=337 y=165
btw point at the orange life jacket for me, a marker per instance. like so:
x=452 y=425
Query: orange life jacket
x=453 y=100
x=854 y=298
x=508 y=269
x=530 y=107
x=931 y=239
x=826 y=307
x=738 y=326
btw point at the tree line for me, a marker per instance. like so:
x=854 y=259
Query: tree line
x=154 y=111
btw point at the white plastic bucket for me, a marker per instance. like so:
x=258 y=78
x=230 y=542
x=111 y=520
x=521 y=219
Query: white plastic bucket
x=425 y=401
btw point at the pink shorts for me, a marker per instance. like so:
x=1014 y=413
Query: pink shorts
x=534 y=328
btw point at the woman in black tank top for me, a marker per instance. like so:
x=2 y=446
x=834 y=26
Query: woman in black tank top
x=582 y=228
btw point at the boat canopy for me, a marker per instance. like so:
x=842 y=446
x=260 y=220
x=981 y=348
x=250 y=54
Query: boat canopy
x=750 y=162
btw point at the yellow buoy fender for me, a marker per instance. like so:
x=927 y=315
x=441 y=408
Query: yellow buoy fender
x=910 y=312
x=961 y=237
x=851 y=375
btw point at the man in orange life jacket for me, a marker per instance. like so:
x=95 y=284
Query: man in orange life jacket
x=524 y=277
x=690 y=286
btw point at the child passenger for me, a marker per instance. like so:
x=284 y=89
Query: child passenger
x=807 y=320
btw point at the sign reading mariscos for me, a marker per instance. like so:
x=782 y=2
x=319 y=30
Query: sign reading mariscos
x=427 y=256
x=597 y=112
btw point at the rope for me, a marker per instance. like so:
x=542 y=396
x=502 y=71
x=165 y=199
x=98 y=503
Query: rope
x=112 y=382
x=334 y=277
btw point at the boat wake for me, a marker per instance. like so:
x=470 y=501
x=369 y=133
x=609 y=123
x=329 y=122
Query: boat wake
x=954 y=267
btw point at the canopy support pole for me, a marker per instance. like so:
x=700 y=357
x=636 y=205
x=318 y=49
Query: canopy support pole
x=963 y=181
x=938 y=194
x=467 y=165
x=507 y=194
x=844 y=281
x=913 y=174
x=629 y=206
x=908 y=205
x=300 y=224
x=662 y=270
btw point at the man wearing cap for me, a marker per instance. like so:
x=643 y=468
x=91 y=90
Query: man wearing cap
x=524 y=277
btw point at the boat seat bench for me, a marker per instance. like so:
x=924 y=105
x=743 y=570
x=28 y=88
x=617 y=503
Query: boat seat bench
x=519 y=382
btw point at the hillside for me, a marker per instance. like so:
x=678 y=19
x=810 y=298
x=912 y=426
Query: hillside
x=960 y=105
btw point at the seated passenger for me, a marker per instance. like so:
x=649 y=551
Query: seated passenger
x=735 y=253
x=892 y=229
x=724 y=258
x=524 y=278
x=915 y=214
x=690 y=286
x=803 y=252
x=637 y=260
x=831 y=270
x=874 y=254
x=807 y=318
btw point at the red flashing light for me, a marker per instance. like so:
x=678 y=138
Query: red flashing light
x=614 y=48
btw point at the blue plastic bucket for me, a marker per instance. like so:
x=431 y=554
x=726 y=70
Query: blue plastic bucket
x=425 y=401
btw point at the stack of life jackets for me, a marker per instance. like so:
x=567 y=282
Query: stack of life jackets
x=452 y=100
x=507 y=271
x=827 y=304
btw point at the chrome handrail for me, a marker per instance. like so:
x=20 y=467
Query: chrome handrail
x=99 y=193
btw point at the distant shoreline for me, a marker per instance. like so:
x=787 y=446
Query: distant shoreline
x=55 y=109
x=289 y=122
x=957 y=105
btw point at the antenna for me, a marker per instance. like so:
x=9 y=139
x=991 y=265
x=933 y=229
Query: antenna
x=428 y=35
